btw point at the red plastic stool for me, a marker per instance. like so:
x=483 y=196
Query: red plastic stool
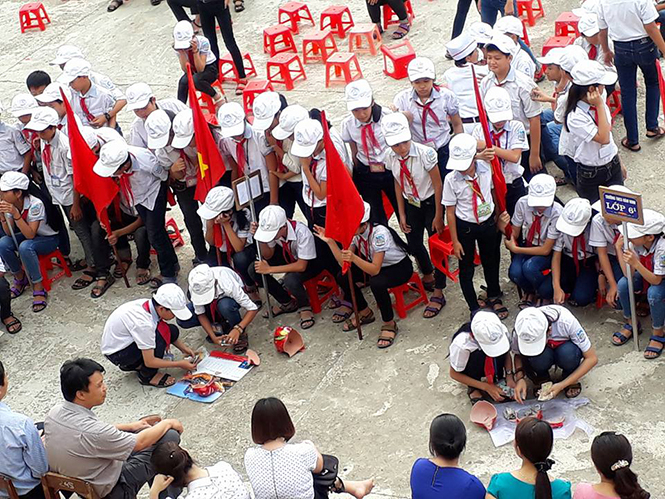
x=557 y=41
x=399 y=56
x=292 y=13
x=368 y=33
x=600 y=301
x=340 y=63
x=47 y=264
x=206 y=102
x=390 y=18
x=175 y=236
x=326 y=281
x=277 y=39
x=441 y=249
x=525 y=34
x=228 y=68
x=285 y=69
x=413 y=285
x=566 y=25
x=252 y=89
x=532 y=12
x=614 y=103
x=318 y=46
x=33 y=15
x=333 y=18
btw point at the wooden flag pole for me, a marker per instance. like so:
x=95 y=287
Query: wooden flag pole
x=122 y=267
x=352 y=287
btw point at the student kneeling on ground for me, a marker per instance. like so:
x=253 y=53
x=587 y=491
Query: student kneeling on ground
x=137 y=338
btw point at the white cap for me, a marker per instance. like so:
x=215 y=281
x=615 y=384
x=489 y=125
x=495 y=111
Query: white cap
x=531 y=327
x=107 y=134
x=288 y=119
x=217 y=200
x=553 y=56
x=265 y=107
x=654 y=224
x=366 y=213
x=73 y=69
x=421 y=67
x=306 y=136
x=231 y=118
x=503 y=43
x=542 y=189
x=112 y=156
x=358 y=95
x=23 y=104
x=14 y=180
x=597 y=206
x=498 y=105
x=509 y=25
x=271 y=219
x=395 y=128
x=158 y=128
x=588 y=6
x=574 y=217
x=572 y=54
x=183 y=129
x=52 y=93
x=462 y=151
x=183 y=32
x=592 y=73
x=482 y=32
x=588 y=24
x=462 y=46
x=65 y=54
x=138 y=95
x=201 y=285
x=43 y=118
x=172 y=297
x=490 y=333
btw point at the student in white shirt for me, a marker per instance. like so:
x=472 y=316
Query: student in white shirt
x=587 y=119
x=23 y=105
x=533 y=236
x=547 y=337
x=468 y=195
x=378 y=252
x=52 y=97
x=14 y=150
x=418 y=187
x=335 y=138
x=37 y=81
x=646 y=258
x=511 y=26
x=589 y=38
x=637 y=42
x=309 y=148
x=137 y=337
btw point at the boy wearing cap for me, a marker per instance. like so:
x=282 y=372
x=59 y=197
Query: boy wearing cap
x=429 y=108
x=14 y=149
x=23 y=105
x=217 y=292
x=468 y=195
x=547 y=337
x=137 y=337
x=512 y=27
x=418 y=187
x=589 y=38
x=52 y=97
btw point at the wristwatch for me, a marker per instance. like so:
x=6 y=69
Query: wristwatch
x=107 y=116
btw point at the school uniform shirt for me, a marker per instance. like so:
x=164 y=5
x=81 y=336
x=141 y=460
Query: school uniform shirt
x=298 y=244
x=130 y=323
x=460 y=81
x=596 y=52
x=603 y=234
x=94 y=103
x=204 y=49
x=256 y=149
x=511 y=136
x=523 y=63
x=656 y=255
x=57 y=171
x=458 y=192
x=319 y=170
x=519 y=87
x=290 y=163
x=62 y=125
x=378 y=239
x=560 y=108
x=625 y=19
x=368 y=138
x=32 y=138
x=34 y=210
x=105 y=82
x=524 y=217
x=583 y=128
x=222 y=482
x=138 y=136
x=342 y=149
x=461 y=348
x=564 y=244
x=13 y=147
x=146 y=177
x=565 y=327
x=228 y=285
x=168 y=155
x=241 y=232
x=430 y=120
x=414 y=178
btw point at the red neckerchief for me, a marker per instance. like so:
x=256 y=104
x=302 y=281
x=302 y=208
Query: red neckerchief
x=47 y=156
x=490 y=369
x=60 y=126
x=312 y=166
x=475 y=187
x=579 y=241
x=126 y=188
x=229 y=247
x=555 y=94
x=534 y=229
x=427 y=110
x=594 y=110
x=190 y=57
x=405 y=175
x=86 y=111
x=24 y=214
x=286 y=245
x=368 y=139
x=364 y=244
x=32 y=138
x=162 y=327
x=554 y=344
x=647 y=261
x=496 y=141
x=241 y=158
x=593 y=52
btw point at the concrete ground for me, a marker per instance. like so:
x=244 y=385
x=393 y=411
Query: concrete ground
x=371 y=408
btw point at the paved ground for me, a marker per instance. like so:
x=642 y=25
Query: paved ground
x=371 y=408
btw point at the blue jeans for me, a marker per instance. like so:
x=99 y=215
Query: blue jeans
x=628 y=56
x=655 y=296
x=227 y=308
x=567 y=357
x=524 y=268
x=582 y=287
x=29 y=251
x=549 y=139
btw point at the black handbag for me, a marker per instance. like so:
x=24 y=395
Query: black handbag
x=324 y=482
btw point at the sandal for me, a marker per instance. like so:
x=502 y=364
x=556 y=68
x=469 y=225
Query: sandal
x=155 y=3
x=164 y=382
x=338 y=317
x=387 y=328
x=623 y=339
x=631 y=147
x=524 y=304
x=98 y=290
x=114 y=5
x=76 y=266
x=242 y=344
x=13 y=326
x=367 y=318
x=655 y=350
x=642 y=309
x=560 y=181
x=434 y=311
x=474 y=400
x=143 y=277
x=156 y=282
x=239 y=5
x=82 y=283
x=117 y=271
x=39 y=305
x=288 y=308
x=501 y=310
x=656 y=134
x=573 y=391
x=19 y=286
x=401 y=31
x=306 y=322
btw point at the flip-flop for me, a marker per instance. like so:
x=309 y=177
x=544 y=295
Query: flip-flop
x=143 y=279
x=569 y=389
x=114 y=5
x=162 y=383
x=499 y=311
x=659 y=133
x=441 y=300
x=307 y=322
x=631 y=147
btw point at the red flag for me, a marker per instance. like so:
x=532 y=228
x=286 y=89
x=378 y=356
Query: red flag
x=100 y=190
x=661 y=83
x=497 y=173
x=345 y=207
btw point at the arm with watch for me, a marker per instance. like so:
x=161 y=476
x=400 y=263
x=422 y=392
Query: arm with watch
x=515 y=377
x=232 y=337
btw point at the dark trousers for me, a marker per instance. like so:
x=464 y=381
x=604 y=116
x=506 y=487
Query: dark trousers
x=567 y=357
x=211 y=10
x=420 y=220
x=581 y=287
x=315 y=216
x=102 y=248
x=189 y=206
x=371 y=187
x=589 y=178
x=226 y=312
x=397 y=6
x=443 y=153
x=202 y=81
x=242 y=261
x=460 y=16
x=515 y=190
x=475 y=367
x=528 y=175
x=485 y=236
x=36 y=493
x=290 y=193
x=388 y=277
x=178 y=8
x=157 y=235
x=5 y=299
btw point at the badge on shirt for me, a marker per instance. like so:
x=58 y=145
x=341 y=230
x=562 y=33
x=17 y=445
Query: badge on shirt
x=380 y=240
x=581 y=335
x=484 y=210
x=413 y=201
x=34 y=210
x=521 y=135
x=55 y=182
x=431 y=156
x=377 y=168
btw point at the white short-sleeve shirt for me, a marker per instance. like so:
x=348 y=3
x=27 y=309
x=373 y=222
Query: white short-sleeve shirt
x=299 y=241
x=204 y=49
x=138 y=136
x=512 y=136
x=457 y=192
x=241 y=232
x=319 y=170
x=460 y=81
x=524 y=64
x=378 y=239
x=130 y=323
x=256 y=149
x=222 y=482
x=657 y=252
x=353 y=132
x=461 y=349
x=566 y=327
x=228 y=285
x=420 y=162
x=34 y=210
x=583 y=128
x=290 y=162
x=97 y=100
x=625 y=19
x=564 y=244
x=58 y=175
x=603 y=234
x=523 y=218
x=519 y=87
x=147 y=177
x=13 y=147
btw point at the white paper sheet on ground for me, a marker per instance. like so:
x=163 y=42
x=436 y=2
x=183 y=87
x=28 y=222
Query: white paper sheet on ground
x=504 y=430
x=224 y=368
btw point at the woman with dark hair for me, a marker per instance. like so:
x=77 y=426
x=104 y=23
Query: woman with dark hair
x=441 y=476
x=534 y=439
x=176 y=467
x=279 y=469
x=612 y=456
